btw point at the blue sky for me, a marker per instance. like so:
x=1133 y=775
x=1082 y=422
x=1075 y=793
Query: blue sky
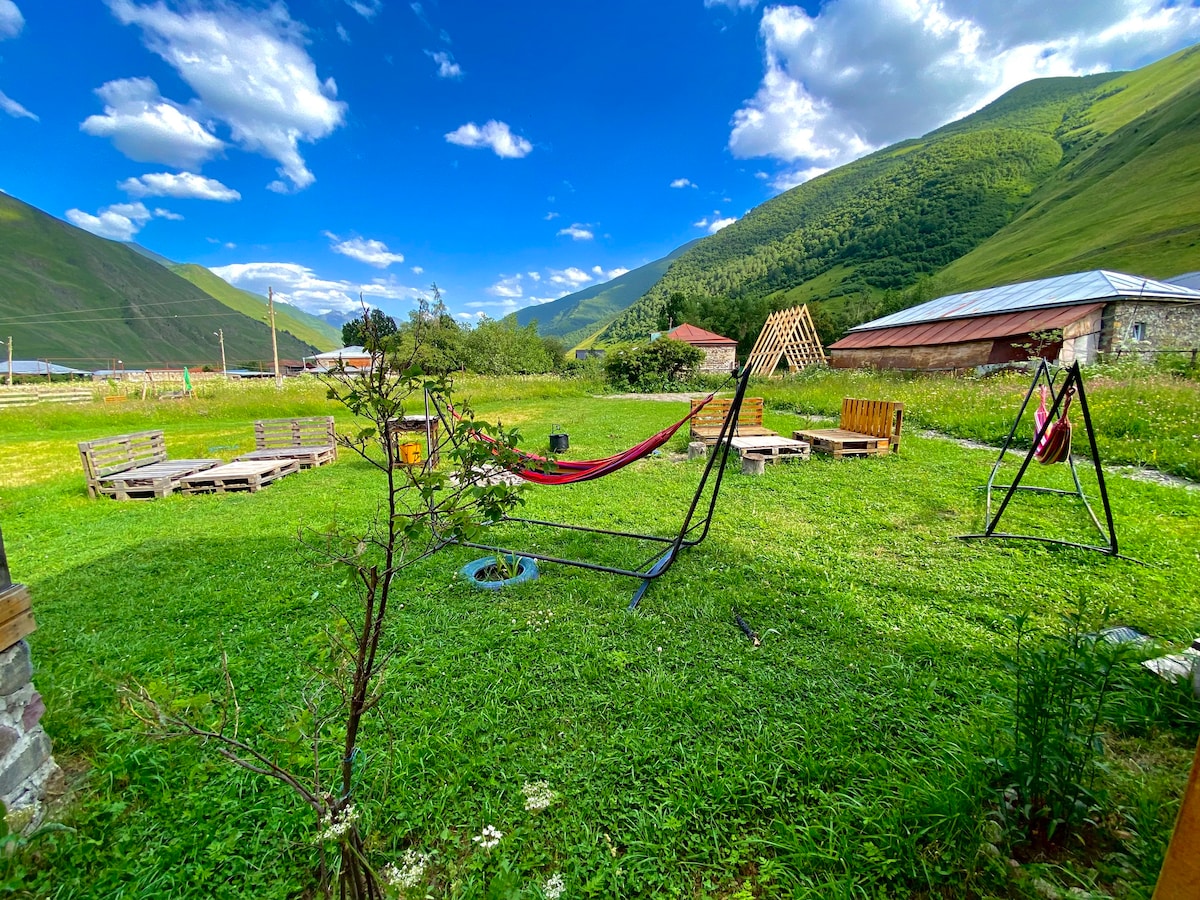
x=509 y=152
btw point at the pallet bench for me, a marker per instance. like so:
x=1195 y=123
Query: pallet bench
x=244 y=475
x=310 y=440
x=772 y=448
x=135 y=466
x=706 y=424
x=867 y=428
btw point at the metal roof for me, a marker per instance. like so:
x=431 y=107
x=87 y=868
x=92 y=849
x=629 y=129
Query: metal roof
x=1063 y=290
x=1190 y=280
x=38 y=367
x=692 y=335
x=979 y=328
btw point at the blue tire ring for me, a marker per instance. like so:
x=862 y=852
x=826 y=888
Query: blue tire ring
x=527 y=570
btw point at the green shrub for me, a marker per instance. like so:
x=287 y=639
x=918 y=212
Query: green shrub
x=659 y=365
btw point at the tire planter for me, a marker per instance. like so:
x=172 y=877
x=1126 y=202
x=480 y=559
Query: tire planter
x=474 y=572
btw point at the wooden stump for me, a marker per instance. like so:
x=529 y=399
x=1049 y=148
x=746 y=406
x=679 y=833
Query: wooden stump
x=753 y=464
x=697 y=450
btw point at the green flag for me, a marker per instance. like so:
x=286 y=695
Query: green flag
x=187 y=380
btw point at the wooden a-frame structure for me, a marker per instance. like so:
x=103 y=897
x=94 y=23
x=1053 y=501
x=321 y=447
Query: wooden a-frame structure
x=787 y=333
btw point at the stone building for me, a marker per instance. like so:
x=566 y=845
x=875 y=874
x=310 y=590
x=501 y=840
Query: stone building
x=720 y=353
x=1066 y=318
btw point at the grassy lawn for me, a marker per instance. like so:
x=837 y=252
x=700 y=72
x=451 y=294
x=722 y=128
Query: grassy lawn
x=848 y=756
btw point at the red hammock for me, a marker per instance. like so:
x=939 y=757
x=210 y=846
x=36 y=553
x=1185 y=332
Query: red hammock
x=541 y=470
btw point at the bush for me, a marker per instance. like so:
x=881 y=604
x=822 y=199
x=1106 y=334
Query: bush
x=659 y=365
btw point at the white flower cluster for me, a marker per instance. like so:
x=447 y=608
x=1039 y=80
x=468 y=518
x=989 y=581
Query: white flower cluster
x=538 y=795
x=554 y=886
x=335 y=825
x=409 y=872
x=539 y=619
x=489 y=837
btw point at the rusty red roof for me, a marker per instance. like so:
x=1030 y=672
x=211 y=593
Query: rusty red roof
x=958 y=331
x=692 y=335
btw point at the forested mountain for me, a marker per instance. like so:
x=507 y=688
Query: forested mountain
x=579 y=314
x=85 y=301
x=1057 y=175
x=303 y=326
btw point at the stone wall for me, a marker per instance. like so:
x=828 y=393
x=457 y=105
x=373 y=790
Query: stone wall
x=719 y=359
x=28 y=773
x=1166 y=326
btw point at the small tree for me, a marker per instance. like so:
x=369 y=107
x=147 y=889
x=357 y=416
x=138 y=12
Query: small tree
x=374 y=324
x=422 y=509
x=658 y=365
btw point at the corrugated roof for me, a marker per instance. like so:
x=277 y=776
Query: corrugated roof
x=978 y=328
x=1082 y=287
x=693 y=335
x=37 y=367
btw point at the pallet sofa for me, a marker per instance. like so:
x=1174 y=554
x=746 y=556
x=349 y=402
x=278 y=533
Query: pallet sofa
x=309 y=440
x=706 y=424
x=867 y=428
x=135 y=466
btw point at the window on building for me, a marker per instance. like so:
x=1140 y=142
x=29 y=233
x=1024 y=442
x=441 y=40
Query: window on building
x=1138 y=331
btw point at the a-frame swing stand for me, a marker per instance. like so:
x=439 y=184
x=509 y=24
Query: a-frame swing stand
x=1072 y=383
x=691 y=532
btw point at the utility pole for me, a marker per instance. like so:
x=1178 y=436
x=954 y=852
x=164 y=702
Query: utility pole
x=220 y=333
x=10 y=360
x=274 y=342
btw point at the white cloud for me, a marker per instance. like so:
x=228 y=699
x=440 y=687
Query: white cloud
x=536 y=276
x=577 y=232
x=148 y=128
x=418 y=270
x=119 y=222
x=304 y=289
x=550 y=216
x=602 y=275
x=181 y=185
x=570 y=276
x=718 y=224
x=373 y=253
x=368 y=9
x=508 y=287
x=682 y=183
x=788 y=179
x=493 y=134
x=732 y=4
x=862 y=74
x=160 y=213
x=343 y=33
x=447 y=67
x=11 y=20
x=249 y=70
x=15 y=109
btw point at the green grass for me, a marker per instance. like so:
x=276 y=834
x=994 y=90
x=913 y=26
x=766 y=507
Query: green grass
x=846 y=757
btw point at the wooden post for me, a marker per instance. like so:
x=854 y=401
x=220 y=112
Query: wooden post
x=10 y=360
x=274 y=342
x=221 y=337
x=1180 y=875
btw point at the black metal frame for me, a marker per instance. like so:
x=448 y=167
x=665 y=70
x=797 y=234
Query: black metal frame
x=1072 y=381
x=659 y=563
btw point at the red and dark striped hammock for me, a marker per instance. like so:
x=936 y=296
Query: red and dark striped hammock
x=541 y=470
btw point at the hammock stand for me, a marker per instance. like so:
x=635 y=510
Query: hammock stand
x=691 y=532
x=1071 y=383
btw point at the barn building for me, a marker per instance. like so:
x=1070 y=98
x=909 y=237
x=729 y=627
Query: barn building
x=1067 y=318
x=720 y=353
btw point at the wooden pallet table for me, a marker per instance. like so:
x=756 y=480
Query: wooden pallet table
x=153 y=481
x=771 y=447
x=839 y=443
x=305 y=457
x=246 y=475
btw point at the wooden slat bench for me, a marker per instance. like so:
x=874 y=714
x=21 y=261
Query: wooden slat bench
x=706 y=425
x=867 y=428
x=308 y=440
x=240 y=475
x=135 y=466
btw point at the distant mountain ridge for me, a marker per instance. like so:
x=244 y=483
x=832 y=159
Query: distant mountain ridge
x=86 y=301
x=1057 y=175
x=577 y=315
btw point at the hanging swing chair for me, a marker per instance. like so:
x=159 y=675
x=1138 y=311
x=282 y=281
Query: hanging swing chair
x=1051 y=444
x=544 y=471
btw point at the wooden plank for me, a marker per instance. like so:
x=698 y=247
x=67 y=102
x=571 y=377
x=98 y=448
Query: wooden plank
x=789 y=334
x=248 y=476
x=306 y=457
x=14 y=600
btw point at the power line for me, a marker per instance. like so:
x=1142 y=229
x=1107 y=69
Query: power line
x=94 y=309
x=229 y=315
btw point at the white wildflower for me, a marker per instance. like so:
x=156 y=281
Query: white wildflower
x=538 y=795
x=337 y=824
x=554 y=886
x=408 y=874
x=489 y=837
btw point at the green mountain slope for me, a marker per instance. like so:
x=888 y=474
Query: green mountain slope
x=301 y=325
x=1057 y=175
x=76 y=298
x=579 y=314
